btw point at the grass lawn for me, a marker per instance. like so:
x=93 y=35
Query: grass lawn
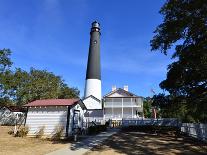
x=134 y=143
x=10 y=145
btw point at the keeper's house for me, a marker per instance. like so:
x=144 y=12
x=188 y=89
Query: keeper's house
x=53 y=114
x=120 y=104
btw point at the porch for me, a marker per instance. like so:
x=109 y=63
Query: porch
x=119 y=108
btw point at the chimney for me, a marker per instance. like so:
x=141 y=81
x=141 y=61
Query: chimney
x=113 y=88
x=126 y=88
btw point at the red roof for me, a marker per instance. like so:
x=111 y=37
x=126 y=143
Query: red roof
x=53 y=102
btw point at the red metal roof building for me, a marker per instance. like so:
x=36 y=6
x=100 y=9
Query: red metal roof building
x=53 y=102
x=67 y=114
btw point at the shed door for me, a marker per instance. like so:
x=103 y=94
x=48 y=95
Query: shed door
x=76 y=119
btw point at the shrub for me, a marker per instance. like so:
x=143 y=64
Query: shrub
x=96 y=129
x=58 y=133
x=150 y=128
x=107 y=124
x=11 y=132
x=40 y=133
x=22 y=132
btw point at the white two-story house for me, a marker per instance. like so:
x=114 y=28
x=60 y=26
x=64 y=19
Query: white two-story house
x=120 y=104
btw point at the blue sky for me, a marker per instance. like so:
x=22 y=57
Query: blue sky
x=54 y=35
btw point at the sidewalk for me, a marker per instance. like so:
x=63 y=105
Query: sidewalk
x=81 y=147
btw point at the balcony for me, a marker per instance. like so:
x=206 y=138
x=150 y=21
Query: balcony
x=124 y=104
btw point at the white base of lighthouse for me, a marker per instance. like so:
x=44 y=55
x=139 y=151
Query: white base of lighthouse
x=93 y=88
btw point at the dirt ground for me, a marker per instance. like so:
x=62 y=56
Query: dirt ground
x=136 y=143
x=10 y=145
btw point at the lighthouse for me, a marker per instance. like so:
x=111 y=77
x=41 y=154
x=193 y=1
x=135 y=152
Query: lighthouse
x=92 y=94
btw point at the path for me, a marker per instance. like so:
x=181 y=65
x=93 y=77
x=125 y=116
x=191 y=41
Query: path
x=81 y=147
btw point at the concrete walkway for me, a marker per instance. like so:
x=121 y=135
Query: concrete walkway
x=81 y=147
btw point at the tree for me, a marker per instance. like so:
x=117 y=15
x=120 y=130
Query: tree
x=147 y=107
x=5 y=61
x=185 y=28
x=5 y=64
x=66 y=92
x=40 y=84
x=20 y=87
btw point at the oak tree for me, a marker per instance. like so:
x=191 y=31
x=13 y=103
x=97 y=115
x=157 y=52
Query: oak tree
x=184 y=29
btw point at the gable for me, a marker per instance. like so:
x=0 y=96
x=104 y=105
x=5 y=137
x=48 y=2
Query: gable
x=5 y=109
x=5 y=112
x=81 y=104
x=92 y=103
x=120 y=93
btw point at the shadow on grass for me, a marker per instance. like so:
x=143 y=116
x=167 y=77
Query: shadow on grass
x=61 y=141
x=133 y=143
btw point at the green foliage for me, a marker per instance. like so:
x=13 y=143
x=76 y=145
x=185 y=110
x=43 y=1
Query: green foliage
x=5 y=101
x=41 y=132
x=107 y=123
x=5 y=61
x=22 y=132
x=97 y=129
x=20 y=87
x=147 y=108
x=151 y=129
x=5 y=64
x=66 y=92
x=170 y=107
x=40 y=84
x=185 y=28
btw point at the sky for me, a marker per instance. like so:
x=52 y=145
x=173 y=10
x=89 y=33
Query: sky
x=54 y=35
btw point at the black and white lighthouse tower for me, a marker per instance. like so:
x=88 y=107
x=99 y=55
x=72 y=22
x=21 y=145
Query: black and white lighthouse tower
x=93 y=73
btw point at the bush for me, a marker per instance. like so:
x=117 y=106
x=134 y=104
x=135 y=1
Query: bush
x=22 y=132
x=58 y=133
x=107 y=123
x=11 y=132
x=40 y=133
x=96 y=129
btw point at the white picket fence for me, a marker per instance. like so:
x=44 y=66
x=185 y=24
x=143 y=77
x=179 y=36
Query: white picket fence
x=152 y=121
x=196 y=130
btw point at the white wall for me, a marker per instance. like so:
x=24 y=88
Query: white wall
x=50 y=117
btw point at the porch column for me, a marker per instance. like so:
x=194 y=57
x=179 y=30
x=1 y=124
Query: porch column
x=132 y=107
x=112 y=107
x=122 y=115
x=103 y=101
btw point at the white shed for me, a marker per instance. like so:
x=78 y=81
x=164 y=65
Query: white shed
x=51 y=114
